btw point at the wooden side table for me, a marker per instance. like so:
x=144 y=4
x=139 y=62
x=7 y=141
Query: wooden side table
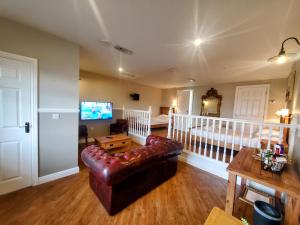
x=245 y=166
x=219 y=217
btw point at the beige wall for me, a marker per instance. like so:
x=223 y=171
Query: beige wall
x=58 y=75
x=295 y=107
x=277 y=93
x=95 y=87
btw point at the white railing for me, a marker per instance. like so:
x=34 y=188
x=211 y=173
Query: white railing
x=221 y=138
x=139 y=121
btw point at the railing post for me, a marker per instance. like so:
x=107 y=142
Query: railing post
x=123 y=112
x=170 y=123
x=149 y=121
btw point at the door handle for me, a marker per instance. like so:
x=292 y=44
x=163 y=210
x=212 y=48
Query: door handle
x=27 y=127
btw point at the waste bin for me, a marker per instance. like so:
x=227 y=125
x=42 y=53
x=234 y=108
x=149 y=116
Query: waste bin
x=265 y=214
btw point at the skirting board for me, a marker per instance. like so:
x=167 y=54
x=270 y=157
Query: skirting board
x=206 y=164
x=138 y=139
x=58 y=175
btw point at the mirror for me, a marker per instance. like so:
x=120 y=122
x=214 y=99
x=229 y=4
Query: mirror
x=211 y=103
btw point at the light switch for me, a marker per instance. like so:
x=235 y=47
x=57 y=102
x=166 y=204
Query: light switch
x=55 y=116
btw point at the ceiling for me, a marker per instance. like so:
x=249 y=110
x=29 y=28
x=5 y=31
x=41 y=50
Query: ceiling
x=239 y=35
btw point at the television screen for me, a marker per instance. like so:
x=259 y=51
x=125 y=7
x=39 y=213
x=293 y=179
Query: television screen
x=95 y=110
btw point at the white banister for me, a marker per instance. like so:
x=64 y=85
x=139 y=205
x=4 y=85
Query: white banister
x=139 y=121
x=170 y=123
x=226 y=136
x=149 y=120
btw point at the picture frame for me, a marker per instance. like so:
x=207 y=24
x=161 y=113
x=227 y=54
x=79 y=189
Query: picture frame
x=290 y=86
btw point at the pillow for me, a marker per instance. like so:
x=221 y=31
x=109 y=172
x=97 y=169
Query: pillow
x=163 y=116
x=265 y=133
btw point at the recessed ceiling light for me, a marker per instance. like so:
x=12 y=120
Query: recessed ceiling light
x=120 y=69
x=191 y=80
x=197 y=42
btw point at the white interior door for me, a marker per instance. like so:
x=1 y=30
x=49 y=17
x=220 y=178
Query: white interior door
x=15 y=110
x=251 y=102
x=184 y=101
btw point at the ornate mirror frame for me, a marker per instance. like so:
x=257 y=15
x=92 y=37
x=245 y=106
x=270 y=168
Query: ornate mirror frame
x=211 y=93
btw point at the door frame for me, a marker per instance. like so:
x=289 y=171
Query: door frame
x=34 y=110
x=255 y=85
x=191 y=99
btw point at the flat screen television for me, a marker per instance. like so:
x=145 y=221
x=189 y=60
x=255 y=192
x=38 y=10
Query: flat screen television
x=96 y=110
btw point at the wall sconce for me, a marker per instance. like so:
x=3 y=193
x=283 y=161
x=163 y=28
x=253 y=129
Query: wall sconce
x=174 y=103
x=282 y=56
x=283 y=112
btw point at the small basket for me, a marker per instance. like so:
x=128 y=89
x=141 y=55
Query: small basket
x=273 y=162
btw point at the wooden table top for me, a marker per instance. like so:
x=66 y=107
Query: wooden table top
x=112 y=138
x=244 y=165
x=219 y=217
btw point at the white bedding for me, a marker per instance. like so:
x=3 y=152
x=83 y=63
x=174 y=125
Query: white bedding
x=247 y=139
x=160 y=119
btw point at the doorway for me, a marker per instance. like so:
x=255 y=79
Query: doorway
x=251 y=102
x=184 y=101
x=18 y=122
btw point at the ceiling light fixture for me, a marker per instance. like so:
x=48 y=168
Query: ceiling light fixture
x=282 y=56
x=120 y=69
x=191 y=80
x=197 y=42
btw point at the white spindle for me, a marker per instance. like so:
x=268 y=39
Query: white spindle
x=186 y=130
x=242 y=135
x=123 y=112
x=219 y=137
x=259 y=135
x=201 y=132
x=281 y=135
x=233 y=138
x=181 y=129
x=149 y=122
x=206 y=137
x=225 y=141
x=177 y=127
x=174 y=125
x=190 y=132
x=250 y=135
x=169 y=122
x=195 y=134
x=212 y=139
x=270 y=136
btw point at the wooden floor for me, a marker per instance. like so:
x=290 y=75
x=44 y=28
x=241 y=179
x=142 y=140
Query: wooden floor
x=187 y=198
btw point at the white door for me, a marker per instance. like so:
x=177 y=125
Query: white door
x=15 y=110
x=184 y=101
x=251 y=102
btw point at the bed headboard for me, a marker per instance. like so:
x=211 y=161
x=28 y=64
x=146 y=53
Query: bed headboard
x=165 y=110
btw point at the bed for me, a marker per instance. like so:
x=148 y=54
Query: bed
x=162 y=120
x=238 y=138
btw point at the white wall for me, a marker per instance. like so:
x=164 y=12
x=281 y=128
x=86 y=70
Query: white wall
x=96 y=87
x=58 y=75
x=277 y=93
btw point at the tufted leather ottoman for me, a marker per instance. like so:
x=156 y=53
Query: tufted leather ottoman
x=121 y=178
